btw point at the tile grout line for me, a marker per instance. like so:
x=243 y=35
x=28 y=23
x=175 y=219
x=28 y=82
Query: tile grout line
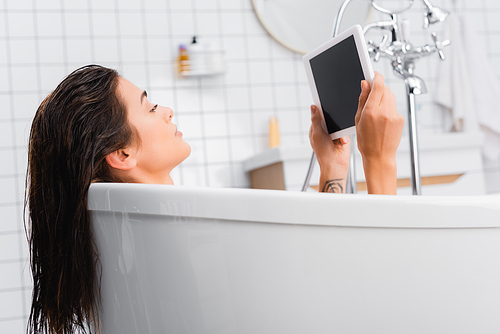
x=14 y=139
x=226 y=101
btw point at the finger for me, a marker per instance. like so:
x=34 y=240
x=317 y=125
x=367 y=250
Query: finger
x=344 y=140
x=387 y=97
x=314 y=112
x=316 y=127
x=377 y=91
x=365 y=91
x=389 y=100
x=315 y=117
x=311 y=129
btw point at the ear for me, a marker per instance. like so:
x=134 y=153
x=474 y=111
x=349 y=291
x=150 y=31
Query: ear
x=121 y=159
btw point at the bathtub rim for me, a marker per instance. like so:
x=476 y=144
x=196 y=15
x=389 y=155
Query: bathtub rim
x=275 y=206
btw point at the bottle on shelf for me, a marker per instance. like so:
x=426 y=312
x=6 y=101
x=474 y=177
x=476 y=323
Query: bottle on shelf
x=183 y=59
x=274 y=132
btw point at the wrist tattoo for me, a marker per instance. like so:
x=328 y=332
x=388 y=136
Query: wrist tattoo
x=333 y=186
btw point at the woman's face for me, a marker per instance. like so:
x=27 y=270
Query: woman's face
x=161 y=147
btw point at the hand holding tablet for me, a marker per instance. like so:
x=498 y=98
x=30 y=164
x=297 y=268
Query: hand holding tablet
x=378 y=127
x=336 y=71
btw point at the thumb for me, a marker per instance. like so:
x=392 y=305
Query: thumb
x=315 y=117
x=365 y=92
x=316 y=123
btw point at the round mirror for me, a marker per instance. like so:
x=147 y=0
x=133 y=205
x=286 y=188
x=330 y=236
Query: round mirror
x=302 y=25
x=392 y=6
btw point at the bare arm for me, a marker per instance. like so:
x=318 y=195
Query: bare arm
x=333 y=156
x=378 y=128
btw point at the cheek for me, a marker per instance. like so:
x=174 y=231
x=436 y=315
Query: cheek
x=152 y=140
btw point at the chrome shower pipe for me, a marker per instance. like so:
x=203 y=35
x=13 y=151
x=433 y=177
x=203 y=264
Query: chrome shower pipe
x=414 y=156
x=338 y=19
x=351 y=185
x=414 y=86
x=309 y=172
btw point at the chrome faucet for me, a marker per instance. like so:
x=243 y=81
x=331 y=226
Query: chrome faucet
x=399 y=49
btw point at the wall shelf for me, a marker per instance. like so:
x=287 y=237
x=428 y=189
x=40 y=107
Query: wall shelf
x=201 y=64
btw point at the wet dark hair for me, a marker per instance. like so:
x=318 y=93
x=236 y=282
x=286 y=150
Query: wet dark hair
x=74 y=129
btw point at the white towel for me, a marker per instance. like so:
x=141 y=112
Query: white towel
x=467 y=86
x=485 y=87
x=454 y=89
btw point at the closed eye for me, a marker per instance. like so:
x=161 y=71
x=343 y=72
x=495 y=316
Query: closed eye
x=154 y=108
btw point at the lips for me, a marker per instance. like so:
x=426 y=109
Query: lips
x=177 y=133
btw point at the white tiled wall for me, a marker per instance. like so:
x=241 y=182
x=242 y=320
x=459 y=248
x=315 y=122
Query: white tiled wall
x=225 y=118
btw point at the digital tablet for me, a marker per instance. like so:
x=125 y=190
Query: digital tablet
x=334 y=71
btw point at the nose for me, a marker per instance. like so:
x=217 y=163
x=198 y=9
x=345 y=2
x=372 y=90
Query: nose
x=168 y=114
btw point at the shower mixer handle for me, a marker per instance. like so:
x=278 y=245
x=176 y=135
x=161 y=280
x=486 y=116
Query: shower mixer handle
x=401 y=51
x=429 y=49
x=377 y=49
x=439 y=45
x=406 y=54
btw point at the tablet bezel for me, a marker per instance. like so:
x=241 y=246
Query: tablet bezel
x=364 y=60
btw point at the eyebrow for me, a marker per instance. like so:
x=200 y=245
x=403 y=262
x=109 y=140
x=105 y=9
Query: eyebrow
x=143 y=95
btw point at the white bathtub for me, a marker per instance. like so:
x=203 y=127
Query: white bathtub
x=199 y=260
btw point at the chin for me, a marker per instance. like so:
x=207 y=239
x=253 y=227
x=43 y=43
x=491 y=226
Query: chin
x=187 y=152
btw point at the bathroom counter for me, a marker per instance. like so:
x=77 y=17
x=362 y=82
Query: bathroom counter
x=450 y=163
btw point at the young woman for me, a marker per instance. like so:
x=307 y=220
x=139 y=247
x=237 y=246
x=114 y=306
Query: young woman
x=98 y=127
x=94 y=127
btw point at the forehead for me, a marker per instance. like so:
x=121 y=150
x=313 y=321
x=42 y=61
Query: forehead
x=129 y=92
